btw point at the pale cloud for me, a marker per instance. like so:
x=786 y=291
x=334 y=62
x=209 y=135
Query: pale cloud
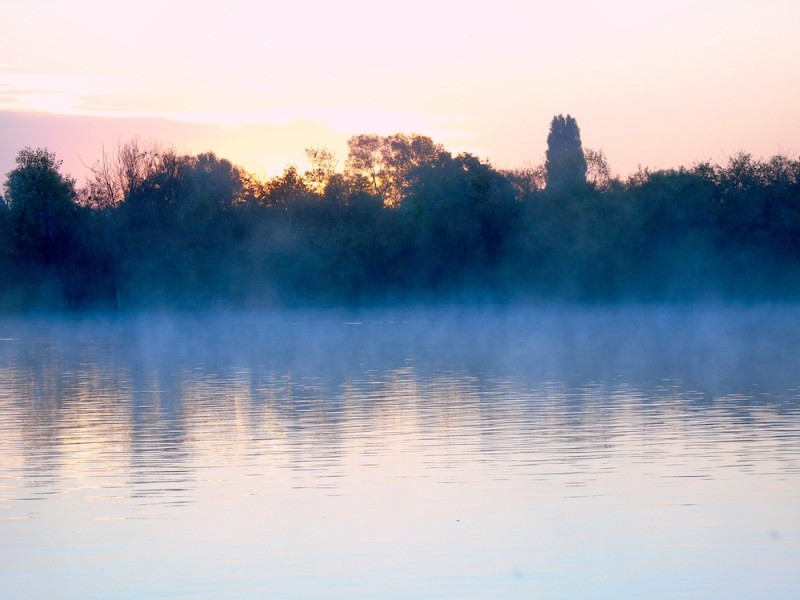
x=56 y=93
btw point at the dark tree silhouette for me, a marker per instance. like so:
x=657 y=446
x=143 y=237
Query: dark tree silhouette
x=323 y=168
x=565 y=163
x=115 y=176
x=405 y=220
x=387 y=162
x=42 y=207
x=464 y=211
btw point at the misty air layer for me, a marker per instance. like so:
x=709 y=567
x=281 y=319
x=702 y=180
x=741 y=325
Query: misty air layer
x=402 y=220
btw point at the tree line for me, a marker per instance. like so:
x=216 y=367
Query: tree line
x=403 y=220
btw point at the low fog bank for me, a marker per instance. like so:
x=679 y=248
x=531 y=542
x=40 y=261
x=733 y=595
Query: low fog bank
x=712 y=349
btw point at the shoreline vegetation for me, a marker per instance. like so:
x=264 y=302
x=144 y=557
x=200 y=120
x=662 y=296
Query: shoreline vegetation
x=401 y=221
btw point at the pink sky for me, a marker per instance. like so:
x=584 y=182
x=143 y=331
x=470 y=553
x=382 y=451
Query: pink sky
x=659 y=85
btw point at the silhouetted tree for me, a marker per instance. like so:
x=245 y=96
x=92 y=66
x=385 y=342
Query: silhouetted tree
x=178 y=225
x=42 y=207
x=527 y=181
x=598 y=173
x=462 y=214
x=323 y=168
x=404 y=218
x=6 y=254
x=387 y=162
x=565 y=163
x=671 y=233
x=115 y=177
x=207 y=226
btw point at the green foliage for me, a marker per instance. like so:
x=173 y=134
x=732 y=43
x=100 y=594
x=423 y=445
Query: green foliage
x=405 y=219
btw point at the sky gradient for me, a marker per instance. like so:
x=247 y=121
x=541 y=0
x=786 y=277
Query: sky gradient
x=657 y=84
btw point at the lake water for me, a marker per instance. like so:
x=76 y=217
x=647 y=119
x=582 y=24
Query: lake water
x=645 y=452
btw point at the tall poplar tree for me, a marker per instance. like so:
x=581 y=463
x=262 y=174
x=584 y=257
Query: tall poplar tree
x=565 y=163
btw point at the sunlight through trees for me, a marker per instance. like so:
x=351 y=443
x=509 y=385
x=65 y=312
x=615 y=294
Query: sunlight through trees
x=405 y=219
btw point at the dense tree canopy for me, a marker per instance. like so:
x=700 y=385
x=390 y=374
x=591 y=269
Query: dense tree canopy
x=404 y=220
x=565 y=162
x=41 y=204
x=388 y=163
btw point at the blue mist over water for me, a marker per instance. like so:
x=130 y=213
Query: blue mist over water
x=442 y=452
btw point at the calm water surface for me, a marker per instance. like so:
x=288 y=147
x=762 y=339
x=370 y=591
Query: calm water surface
x=439 y=453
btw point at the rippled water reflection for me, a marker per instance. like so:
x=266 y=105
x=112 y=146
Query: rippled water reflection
x=459 y=453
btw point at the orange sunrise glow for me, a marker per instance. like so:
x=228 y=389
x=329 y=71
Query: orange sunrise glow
x=659 y=85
